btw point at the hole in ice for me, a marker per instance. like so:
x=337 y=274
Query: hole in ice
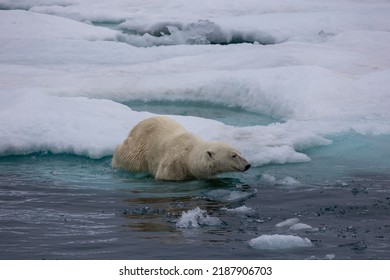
x=107 y=23
x=202 y=32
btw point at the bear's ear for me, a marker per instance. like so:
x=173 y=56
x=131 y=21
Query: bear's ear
x=210 y=154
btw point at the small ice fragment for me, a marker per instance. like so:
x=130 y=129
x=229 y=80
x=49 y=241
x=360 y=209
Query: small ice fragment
x=330 y=256
x=288 y=222
x=340 y=183
x=196 y=218
x=327 y=257
x=241 y=210
x=288 y=181
x=279 y=242
x=269 y=179
x=300 y=226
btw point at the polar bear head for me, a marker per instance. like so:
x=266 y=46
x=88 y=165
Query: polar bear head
x=222 y=157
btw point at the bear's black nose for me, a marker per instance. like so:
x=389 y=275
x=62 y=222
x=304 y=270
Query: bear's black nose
x=247 y=167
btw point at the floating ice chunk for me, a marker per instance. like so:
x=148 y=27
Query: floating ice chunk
x=241 y=210
x=196 y=218
x=288 y=222
x=327 y=257
x=340 y=183
x=330 y=256
x=300 y=226
x=295 y=225
x=279 y=242
x=269 y=179
x=288 y=181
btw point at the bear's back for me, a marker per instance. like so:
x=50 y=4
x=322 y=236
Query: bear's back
x=150 y=139
x=159 y=127
x=146 y=143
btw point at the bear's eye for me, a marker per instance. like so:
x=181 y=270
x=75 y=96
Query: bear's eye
x=233 y=156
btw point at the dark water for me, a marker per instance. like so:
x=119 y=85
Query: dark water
x=70 y=207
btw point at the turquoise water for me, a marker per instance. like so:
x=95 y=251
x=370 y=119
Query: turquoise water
x=70 y=207
x=229 y=115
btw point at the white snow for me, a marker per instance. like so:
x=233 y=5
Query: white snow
x=74 y=125
x=196 y=218
x=324 y=71
x=279 y=242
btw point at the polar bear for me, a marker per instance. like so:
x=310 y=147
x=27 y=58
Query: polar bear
x=165 y=149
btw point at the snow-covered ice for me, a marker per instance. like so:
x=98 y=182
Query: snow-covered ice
x=319 y=67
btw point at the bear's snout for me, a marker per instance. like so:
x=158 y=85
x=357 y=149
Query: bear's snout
x=247 y=167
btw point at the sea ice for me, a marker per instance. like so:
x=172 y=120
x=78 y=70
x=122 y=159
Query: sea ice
x=325 y=73
x=288 y=222
x=288 y=181
x=293 y=224
x=327 y=257
x=269 y=179
x=279 y=242
x=300 y=227
x=196 y=218
x=241 y=210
